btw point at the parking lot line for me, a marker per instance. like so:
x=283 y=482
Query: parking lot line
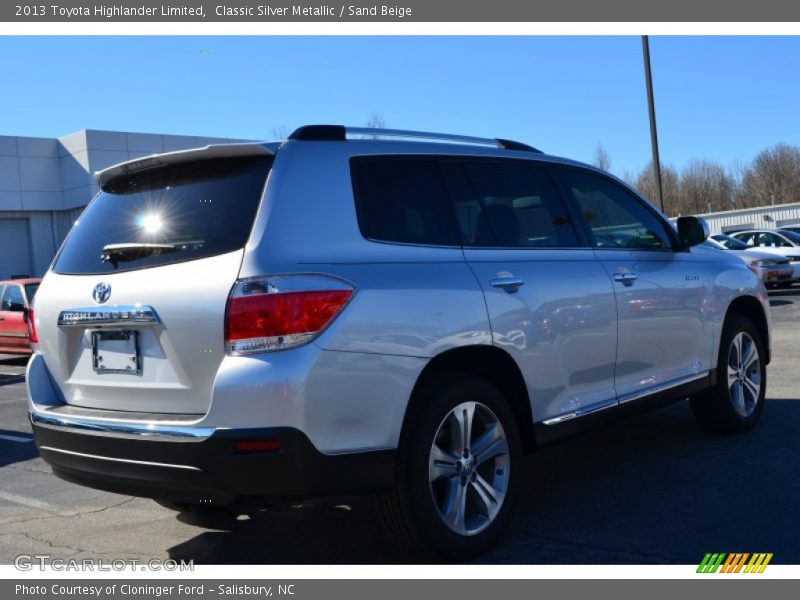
x=30 y=503
x=15 y=438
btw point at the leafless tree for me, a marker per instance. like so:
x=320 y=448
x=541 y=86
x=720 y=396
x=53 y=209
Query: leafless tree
x=670 y=184
x=602 y=160
x=774 y=177
x=704 y=187
x=376 y=121
x=279 y=133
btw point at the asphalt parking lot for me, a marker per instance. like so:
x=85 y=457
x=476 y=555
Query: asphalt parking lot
x=654 y=489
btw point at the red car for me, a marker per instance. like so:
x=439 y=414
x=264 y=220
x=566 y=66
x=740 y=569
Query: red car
x=16 y=297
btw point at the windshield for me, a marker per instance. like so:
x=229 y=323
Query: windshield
x=166 y=215
x=730 y=243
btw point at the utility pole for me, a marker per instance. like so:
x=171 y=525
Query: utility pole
x=653 y=132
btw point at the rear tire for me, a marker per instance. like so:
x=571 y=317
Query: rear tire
x=457 y=468
x=735 y=403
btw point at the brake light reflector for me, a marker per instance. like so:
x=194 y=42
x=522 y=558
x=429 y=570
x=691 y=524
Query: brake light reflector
x=258 y=446
x=275 y=313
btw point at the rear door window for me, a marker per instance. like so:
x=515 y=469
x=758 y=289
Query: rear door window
x=403 y=199
x=168 y=214
x=508 y=204
x=774 y=241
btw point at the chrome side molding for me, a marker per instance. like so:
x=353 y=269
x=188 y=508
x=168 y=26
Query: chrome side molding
x=667 y=385
x=581 y=412
x=108 y=316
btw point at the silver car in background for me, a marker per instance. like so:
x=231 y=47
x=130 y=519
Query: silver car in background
x=772 y=268
x=783 y=242
x=403 y=317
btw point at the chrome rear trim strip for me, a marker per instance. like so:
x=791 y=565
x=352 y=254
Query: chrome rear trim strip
x=122 y=460
x=104 y=316
x=150 y=431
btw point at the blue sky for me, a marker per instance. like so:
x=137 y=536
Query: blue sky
x=724 y=98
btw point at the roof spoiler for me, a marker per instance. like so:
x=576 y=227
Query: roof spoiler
x=171 y=158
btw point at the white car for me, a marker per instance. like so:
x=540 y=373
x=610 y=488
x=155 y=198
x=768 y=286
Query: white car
x=773 y=269
x=783 y=242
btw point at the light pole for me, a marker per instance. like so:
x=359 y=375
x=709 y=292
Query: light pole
x=653 y=132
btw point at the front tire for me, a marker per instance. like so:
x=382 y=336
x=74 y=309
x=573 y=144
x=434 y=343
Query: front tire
x=457 y=470
x=735 y=403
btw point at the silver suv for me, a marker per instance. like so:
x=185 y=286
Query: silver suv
x=383 y=312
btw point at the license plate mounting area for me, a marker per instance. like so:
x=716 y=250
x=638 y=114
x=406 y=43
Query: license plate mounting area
x=116 y=351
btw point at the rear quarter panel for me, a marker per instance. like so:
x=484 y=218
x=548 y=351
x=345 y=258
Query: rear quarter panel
x=410 y=300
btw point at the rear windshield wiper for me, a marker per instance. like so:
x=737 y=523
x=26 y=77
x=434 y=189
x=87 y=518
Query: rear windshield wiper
x=116 y=253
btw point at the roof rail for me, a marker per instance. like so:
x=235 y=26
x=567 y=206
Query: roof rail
x=340 y=133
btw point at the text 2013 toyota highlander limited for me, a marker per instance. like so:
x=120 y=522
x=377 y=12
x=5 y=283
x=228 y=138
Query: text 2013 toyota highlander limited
x=402 y=316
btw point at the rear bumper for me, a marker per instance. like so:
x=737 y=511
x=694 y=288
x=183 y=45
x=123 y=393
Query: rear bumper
x=204 y=468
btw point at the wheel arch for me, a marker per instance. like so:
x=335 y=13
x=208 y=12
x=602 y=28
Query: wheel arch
x=490 y=363
x=751 y=307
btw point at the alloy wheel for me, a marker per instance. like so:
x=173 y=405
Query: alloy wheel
x=744 y=374
x=468 y=468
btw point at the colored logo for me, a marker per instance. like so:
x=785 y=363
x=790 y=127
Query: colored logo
x=738 y=562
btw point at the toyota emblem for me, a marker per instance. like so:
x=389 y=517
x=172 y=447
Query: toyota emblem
x=102 y=292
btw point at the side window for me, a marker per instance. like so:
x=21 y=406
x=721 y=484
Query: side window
x=12 y=299
x=747 y=238
x=617 y=218
x=764 y=240
x=780 y=241
x=507 y=204
x=403 y=200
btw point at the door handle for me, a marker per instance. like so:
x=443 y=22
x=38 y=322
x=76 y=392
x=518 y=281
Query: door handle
x=624 y=277
x=509 y=284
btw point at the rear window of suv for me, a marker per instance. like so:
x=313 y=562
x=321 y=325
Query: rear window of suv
x=165 y=215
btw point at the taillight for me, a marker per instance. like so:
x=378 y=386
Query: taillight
x=274 y=313
x=34 y=337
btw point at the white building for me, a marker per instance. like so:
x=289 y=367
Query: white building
x=46 y=182
x=765 y=217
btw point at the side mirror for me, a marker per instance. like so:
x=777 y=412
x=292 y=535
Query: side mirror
x=693 y=231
